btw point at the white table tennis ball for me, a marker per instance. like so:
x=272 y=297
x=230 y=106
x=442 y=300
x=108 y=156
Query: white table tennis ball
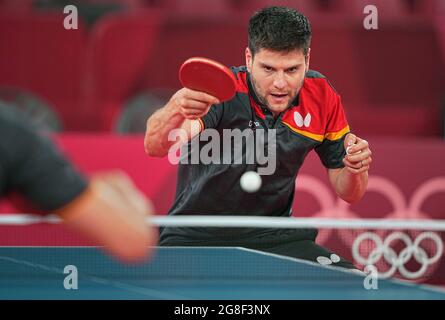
x=250 y=181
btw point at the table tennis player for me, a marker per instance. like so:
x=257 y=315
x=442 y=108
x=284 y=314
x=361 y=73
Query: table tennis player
x=107 y=209
x=275 y=90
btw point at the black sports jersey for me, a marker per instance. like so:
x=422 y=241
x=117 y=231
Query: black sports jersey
x=316 y=120
x=31 y=165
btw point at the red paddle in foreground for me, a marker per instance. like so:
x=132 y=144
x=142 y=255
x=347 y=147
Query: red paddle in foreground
x=209 y=76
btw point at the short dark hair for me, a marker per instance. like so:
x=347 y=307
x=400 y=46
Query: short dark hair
x=279 y=29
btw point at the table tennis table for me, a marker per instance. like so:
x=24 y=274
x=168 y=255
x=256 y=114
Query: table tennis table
x=186 y=273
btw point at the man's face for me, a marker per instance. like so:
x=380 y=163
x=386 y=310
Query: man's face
x=277 y=77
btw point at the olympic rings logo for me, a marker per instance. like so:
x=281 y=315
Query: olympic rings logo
x=402 y=208
x=397 y=261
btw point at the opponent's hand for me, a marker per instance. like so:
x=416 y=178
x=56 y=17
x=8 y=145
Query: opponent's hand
x=112 y=213
x=193 y=104
x=358 y=154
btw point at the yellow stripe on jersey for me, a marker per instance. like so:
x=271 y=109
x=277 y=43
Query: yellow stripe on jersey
x=317 y=137
x=337 y=135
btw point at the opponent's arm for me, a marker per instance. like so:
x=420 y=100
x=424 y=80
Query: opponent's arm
x=112 y=213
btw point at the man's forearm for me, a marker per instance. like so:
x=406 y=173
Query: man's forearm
x=351 y=187
x=159 y=125
x=181 y=112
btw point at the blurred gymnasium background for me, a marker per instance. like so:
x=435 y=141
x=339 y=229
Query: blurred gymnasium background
x=94 y=87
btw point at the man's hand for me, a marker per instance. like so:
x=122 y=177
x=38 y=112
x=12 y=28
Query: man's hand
x=193 y=104
x=358 y=154
x=181 y=111
x=112 y=213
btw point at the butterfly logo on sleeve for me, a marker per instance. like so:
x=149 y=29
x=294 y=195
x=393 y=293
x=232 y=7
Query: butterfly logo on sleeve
x=300 y=121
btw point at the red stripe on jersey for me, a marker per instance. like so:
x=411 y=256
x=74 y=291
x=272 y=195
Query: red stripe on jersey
x=241 y=82
x=256 y=108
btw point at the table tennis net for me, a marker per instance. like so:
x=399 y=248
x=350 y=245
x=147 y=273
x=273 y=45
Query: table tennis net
x=404 y=249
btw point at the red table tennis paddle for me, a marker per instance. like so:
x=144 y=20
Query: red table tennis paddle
x=209 y=76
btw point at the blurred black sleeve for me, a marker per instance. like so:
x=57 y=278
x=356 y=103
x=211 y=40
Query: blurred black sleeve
x=31 y=165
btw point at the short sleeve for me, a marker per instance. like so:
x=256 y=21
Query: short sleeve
x=331 y=151
x=213 y=118
x=32 y=166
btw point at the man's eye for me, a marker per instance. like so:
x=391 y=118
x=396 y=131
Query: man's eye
x=268 y=69
x=292 y=70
